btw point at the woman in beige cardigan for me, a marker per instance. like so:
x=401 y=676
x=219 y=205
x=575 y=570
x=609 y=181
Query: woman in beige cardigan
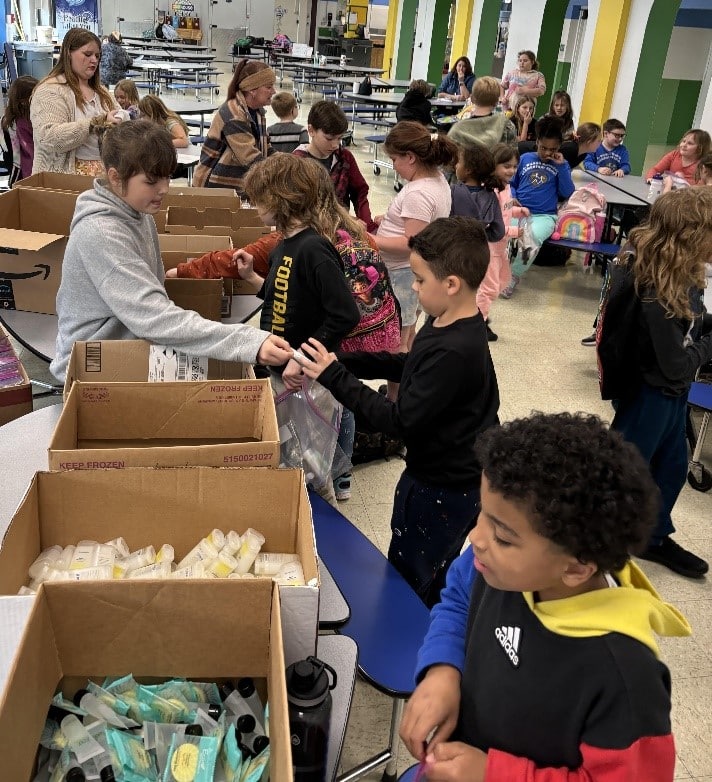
x=68 y=107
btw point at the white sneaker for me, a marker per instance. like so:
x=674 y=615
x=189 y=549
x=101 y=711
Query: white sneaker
x=342 y=487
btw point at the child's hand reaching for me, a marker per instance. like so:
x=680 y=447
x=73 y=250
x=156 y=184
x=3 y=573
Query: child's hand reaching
x=274 y=351
x=320 y=358
x=434 y=706
x=245 y=268
x=454 y=761
x=619 y=172
x=293 y=376
x=605 y=171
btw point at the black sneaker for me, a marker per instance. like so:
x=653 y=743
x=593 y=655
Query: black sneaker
x=589 y=342
x=676 y=558
x=491 y=336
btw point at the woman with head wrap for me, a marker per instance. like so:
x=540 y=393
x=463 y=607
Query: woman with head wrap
x=237 y=137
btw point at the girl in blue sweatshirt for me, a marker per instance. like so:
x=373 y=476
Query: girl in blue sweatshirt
x=543 y=179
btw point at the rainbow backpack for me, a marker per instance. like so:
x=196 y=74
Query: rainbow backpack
x=581 y=217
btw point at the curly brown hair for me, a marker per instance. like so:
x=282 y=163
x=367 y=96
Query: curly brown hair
x=672 y=247
x=581 y=484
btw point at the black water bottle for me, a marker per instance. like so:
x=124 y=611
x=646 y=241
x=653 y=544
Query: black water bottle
x=309 y=716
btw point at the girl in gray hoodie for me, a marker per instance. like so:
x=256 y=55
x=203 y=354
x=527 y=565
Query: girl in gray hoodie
x=112 y=274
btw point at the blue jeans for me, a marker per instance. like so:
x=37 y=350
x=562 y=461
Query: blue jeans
x=345 y=441
x=656 y=424
x=428 y=527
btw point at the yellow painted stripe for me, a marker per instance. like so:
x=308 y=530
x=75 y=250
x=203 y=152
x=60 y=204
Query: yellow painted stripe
x=389 y=44
x=608 y=40
x=461 y=28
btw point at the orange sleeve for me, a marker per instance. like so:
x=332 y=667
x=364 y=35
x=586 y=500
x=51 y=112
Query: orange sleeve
x=219 y=263
x=210 y=266
x=261 y=249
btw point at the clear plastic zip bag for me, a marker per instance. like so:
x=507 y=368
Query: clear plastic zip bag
x=309 y=421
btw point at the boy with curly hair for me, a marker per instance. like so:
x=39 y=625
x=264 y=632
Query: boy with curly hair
x=540 y=662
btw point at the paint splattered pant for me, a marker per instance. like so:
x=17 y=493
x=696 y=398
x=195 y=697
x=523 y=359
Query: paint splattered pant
x=428 y=528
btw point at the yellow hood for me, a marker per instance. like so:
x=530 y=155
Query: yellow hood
x=634 y=609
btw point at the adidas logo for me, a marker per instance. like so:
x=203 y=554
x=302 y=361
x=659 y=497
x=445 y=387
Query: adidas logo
x=509 y=638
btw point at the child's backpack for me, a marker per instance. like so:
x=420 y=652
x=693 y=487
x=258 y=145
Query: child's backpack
x=581 y=217
x=282 y=41
x=242 y=46
x=619 y=373
x=368 y=280
x=365 y=87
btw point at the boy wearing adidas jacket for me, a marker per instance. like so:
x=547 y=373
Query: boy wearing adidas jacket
x=540 y=662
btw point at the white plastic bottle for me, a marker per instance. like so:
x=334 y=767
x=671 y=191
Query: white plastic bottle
x=656 y=188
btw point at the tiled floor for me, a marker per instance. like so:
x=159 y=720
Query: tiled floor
x=541 y=365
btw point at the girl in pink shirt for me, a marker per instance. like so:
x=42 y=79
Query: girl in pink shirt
x=683 y=161
x=498 y=273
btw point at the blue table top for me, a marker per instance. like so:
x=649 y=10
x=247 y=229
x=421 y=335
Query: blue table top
x=388 y=620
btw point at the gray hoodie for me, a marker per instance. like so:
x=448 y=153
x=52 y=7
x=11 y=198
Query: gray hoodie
x=112 y=288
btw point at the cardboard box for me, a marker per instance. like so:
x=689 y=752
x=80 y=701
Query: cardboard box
x=216 y=220
x=138 y=361
x=77 y=183
x=14 y=400
x=34 y=225
x=177 y=506
x=178 y=248
x=201 y=296
x=154 y=630
x=214 y=423
x=49 y=180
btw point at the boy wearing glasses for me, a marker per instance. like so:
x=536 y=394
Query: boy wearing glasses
x=542 y=179
x=611 y=158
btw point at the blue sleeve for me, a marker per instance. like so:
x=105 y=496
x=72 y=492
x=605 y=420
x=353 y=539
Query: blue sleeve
x=443 y=83
x=625 y=159
x=514 y=183
x=445 y=639
x=469 y=81
x=590 y=163
x=565 y=182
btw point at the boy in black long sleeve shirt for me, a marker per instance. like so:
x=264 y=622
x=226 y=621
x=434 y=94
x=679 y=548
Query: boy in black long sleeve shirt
x=448 y=395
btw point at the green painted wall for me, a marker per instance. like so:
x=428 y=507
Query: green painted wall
x=675 y=110
x=683 y=113
x=548 y=47
x=441 y=24
x=646 y=85
x=561 y=77
x=487 y=37
x=663 y=111
x=405 y=40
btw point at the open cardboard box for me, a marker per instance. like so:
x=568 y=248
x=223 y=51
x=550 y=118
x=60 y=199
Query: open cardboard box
x=178 y=248
x=210 y=219
x=77 y=183
x=50 y=180
x=138 y=361
x=177 y=506
x=202 y=296
x=34 y=225
x=214 y=423
x=155 y=630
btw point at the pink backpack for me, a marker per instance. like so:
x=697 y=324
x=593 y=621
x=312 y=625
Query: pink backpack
x=581 y=217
